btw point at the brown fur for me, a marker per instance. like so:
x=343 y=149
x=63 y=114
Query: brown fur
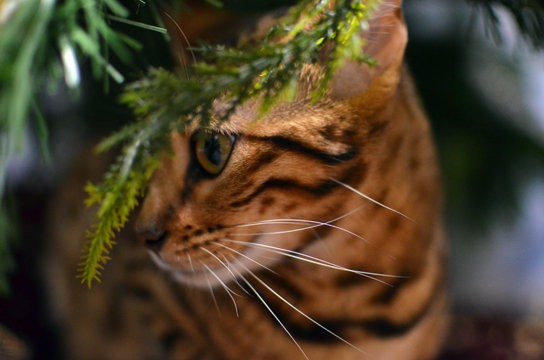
x=369 y=133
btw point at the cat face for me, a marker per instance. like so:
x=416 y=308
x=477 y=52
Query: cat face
x=230 y=194
x=228 y=186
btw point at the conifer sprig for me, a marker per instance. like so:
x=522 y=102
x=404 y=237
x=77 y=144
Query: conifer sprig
x=42 y=41
x=315 y=31
x=115 y=205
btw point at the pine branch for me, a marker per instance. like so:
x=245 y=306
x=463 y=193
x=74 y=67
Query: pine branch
x=163 y=101
x=37 y=38
x=40 y=40
x=116 y=203
x=119 y=192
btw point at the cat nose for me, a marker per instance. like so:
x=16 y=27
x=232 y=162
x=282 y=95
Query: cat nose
x=153 y=238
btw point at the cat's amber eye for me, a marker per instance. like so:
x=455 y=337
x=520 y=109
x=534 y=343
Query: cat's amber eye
x=213 y=150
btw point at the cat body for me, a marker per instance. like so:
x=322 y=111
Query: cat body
x=314 y=232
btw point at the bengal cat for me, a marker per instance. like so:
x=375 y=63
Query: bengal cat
x=313 y=233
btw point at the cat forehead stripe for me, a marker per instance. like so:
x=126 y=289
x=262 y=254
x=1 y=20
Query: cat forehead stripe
x=287 y=184
x=300 y=147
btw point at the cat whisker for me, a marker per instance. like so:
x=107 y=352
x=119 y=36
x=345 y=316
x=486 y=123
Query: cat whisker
x=302 y=313
x=226 y=266
x=212 y=293
x=314 y=223
x=190 y=260
x=229 y=291
x=318 y=261
x=235 y=277
x=370 y=199
x=272 y=312
x=181 y=58
x=296 y=221
x=245 y=256
x=224 y=286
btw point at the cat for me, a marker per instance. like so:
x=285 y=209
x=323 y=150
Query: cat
x=315 y=232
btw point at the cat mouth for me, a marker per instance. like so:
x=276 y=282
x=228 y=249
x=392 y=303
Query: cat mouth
x=191 y=274
x=216 y=266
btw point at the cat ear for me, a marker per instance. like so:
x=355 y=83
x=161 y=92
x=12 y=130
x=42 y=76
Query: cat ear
x=385 y=41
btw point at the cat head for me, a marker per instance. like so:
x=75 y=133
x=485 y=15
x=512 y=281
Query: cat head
x=226 y=192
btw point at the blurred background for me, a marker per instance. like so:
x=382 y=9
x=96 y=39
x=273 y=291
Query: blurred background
x=485 y=96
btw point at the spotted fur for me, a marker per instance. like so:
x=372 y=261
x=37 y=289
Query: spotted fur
x=321 y=238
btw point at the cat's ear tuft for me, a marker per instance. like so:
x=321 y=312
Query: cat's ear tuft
x=385 y=41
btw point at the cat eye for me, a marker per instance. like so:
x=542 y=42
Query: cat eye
x=213 y=150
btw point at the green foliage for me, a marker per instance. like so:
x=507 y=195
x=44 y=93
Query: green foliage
x=18 y=70
x=164 y=101
x=117 y=196
x=269 y=69
x=42 y=36
x=40 y=41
